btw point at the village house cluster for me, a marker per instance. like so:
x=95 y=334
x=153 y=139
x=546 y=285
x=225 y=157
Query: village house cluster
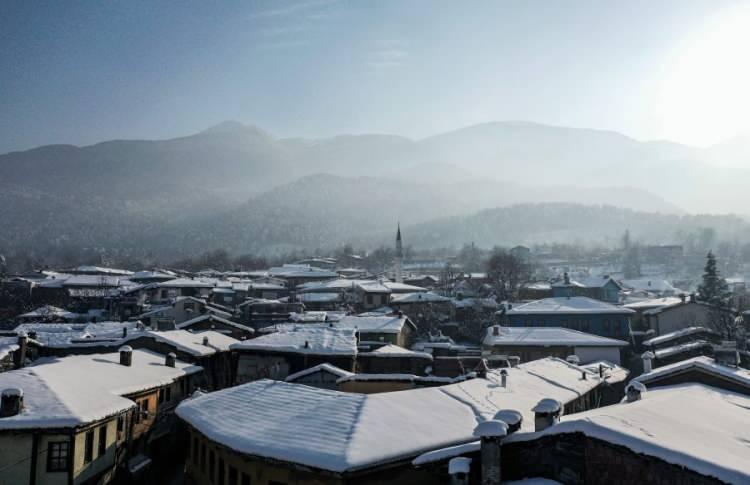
x=313 y=372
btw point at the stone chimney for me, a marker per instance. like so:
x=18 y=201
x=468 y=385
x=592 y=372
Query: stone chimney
x=648 y=358
x=11 y=402
x=546 y=413
x=19 y=356
x=634 y=391
x=459 y=469
x=566 y=278
x=496 y=330
x=124 y=332
x=126 y=355
x=491 y=434
x=205 y=340
x=170 y=360
x=511 y=417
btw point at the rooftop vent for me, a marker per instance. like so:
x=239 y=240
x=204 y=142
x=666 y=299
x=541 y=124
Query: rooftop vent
x=546 y=413
x=126 y=355
x=634 y=391
x=170 y=360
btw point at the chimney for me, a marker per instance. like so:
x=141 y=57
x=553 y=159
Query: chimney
x=126 y=355
x=19 y=356
x=459 y=469
x=583 y=375
x=491 y=434
x=601 y=371
x=566 y=278
x=573 y=359
x=496 y=330
x=307 y=344
x=504 y=378
x=11 y=402
x=124 y=332
x=634 y=391
x=170 y=360
x=205 y=340
x=546 y=413
x=683 y=297
x=514 y=360
x=481 y=369
x=511 y=417
x=647 y=357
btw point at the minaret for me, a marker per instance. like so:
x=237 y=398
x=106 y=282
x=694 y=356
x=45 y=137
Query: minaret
x=399 y=255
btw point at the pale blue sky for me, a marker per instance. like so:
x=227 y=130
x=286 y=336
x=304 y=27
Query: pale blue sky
x=82 y=72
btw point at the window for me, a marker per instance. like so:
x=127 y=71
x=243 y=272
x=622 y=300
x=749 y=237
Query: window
x=211 y=466
x=221 y=471
x=245 y=479
x=168 y=396
x=120 y=424
x=88 y=450
x=203 y=457
x=232 y=475
x=369 y=299
x=102 y=440
x=57 y=456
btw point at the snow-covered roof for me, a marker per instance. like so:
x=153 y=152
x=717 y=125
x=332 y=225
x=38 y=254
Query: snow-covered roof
x=48 y=311
x=701 y=428
x=647 y=284
x=188 y=283
x=308 y=317
x=391 y=350
x=422 y=297
x=213 y=318
x=705 y=364
x=378 y=324
x=192 y=343
x=546 y=336
x=75 y=390
x=571 y=305
x=68 y=334
x=319 y=297
x=340 y=432
x=101 y=270
x=402 y=287
x=305 y=339
x=325 y=367
x=612 y=372
x=678 y=349
x=7 y=345
x=677 y=334
x=651 y=303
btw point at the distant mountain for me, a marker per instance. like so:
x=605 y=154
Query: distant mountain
x=238 y=187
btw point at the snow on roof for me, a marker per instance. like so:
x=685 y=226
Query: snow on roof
x=97 y=281
x=331 y=369
x=423 y=297
x=402 y=287
x=377 y=324
x=677 y=349
x=653 y=303
x=308 y=316
x=188 y=283
x=705 y=364
x=340 y=431
x=7 y=345
x=305 y=339
x=676 y=334
x=563 y=305
x=101 y=270
x=701 y=428
x=391 y=350
x=75 y=390
x=539 y=285
x=646 y=284
x=213 y=318
x=192 y=343
x=68 y=334
x=545 y=336
x=319 y=297
x=470 y=302
x=612 y=372
x=48 y=311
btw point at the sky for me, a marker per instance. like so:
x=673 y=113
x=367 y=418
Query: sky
x=87 y=71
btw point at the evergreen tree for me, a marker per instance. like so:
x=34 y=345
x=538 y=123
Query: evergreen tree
x=714 y=288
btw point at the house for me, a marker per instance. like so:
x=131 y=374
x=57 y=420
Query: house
x=391 y=359
x=531 y=343
x=167 y=291
x=180 y=309
x=262 y=313
x=640 y=306
x=655 y=287
x=10 y=353
x=288 y=351
x=535 y=291
x=686 y=433
x=422 y=281
x=81 y=419
x=396 y=328
x=602 y=288
x=577 y=313
x=298 y=274
x=683 y=314
x=363 y=383
x=683 y=336
x=47 y=313
x=422 y=303
x=290 y=433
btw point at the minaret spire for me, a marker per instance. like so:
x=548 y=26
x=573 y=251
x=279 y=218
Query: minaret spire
x=399 y=255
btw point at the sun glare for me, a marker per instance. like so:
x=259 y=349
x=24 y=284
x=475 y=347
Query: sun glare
x=705 y=94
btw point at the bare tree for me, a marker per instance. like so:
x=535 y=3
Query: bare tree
x=506 y=273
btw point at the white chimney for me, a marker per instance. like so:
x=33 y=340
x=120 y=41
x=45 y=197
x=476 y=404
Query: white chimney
x=648 y=358
x=491 y=434
x=11 y=402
